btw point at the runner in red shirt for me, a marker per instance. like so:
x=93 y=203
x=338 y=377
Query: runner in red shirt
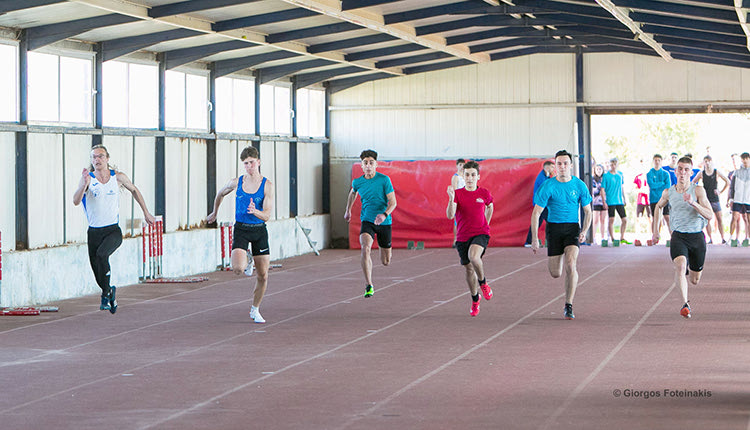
x=472 y=207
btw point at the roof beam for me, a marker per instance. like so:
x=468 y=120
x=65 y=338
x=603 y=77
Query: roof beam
x=225 y=67
x=358 y=4
x=491 y=34
x=436 y=66
x=382 y=52
x=711 y=46
x=694 y=35
x=339 y=27
x=429 y=12
x=178 y=57
x=192 y=6
x=684 y=23
x=706 y=53
x=412 y=60
x=622 y=16
x=344 y=83
x=269 y=74
x=678 y=9
x=574 y=9
x=351 y=43
x=374 y=21
x=742 y=8
x=262 y=19
x=48 y=34
x=14 y=5
x=118 y=47
x=313 y=78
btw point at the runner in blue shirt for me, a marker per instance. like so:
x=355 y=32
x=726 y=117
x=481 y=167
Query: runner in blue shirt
x=614 y=199
x=658 y=180
x=563 y=196
x=548 y=169
x=378 y=203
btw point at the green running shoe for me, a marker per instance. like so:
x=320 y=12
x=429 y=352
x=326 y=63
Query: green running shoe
x=369 y=291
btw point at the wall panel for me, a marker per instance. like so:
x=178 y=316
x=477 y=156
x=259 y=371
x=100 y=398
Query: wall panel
x=8 y=190
x=45 y=190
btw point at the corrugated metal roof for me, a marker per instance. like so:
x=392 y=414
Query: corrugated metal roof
x=351 y=41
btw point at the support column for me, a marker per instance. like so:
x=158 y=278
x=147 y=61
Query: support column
x=22 y=187
x=211 y=143
x=160 y=178
x=96 y=139
x=326 y=171
x=293 y=190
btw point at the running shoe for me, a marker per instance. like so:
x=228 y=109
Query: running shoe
x=104 y=306
x=255 y=315
x=249 y=268
x=486 y=291
x=625 y=242
x=569 y=311
x=369 y=291
x=685 y=311
x=475 y=307
x=112 y=300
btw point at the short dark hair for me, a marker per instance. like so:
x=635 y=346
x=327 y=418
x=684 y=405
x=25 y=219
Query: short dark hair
x=562 y=153
x=687 y=154
x=674 y=153
x=547 y=163
x=249 y=152
x=460 y=161
x=471 y=165
x=368 y=153
x=708 y=157
x=686 y=159
x=745 y=155
x=658 y=156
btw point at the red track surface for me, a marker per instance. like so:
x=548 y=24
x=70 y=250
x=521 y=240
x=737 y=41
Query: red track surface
x=187 y=356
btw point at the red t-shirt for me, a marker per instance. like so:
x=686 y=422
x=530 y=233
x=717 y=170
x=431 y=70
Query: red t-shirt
x=470 y=218
x=642 y=186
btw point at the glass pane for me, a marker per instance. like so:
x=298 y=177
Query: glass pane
x=144 y=96
x=282 y=116
x=8 y=82
x=115 y=94
x=303 y=112
x=197 y=102
x=317 y=113
x=75 y=90
x=266 y=109
x=175 y=99
x=43 y=87
x=223 y=105
x=243 y=106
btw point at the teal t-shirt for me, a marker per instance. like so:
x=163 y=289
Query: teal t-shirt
x=374 y=195
x=563 y=199
x=612 y=184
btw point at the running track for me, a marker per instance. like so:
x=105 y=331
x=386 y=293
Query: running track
x=185 y=356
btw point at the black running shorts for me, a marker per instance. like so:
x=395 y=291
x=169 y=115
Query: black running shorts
x=255 y=234
x=561 y=235
x=382 y=232
x=692 y=246
x=463 y=247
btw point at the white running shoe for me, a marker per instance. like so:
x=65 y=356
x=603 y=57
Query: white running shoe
x=250 y=267
x=255 y=315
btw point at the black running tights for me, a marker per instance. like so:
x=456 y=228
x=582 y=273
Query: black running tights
x=103 y=242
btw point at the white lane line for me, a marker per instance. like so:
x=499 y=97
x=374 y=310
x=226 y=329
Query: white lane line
x=466 y=353
x=572 y=396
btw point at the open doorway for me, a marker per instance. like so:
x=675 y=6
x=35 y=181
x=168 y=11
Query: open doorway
x=633 y=139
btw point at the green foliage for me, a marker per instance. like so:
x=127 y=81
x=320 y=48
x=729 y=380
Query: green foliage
x=676 y=134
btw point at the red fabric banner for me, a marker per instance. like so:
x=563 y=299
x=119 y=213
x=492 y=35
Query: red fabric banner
x=422 y=198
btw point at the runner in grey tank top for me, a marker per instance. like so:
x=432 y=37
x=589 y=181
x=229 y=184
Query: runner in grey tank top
x=710 y=178
x=689 y=212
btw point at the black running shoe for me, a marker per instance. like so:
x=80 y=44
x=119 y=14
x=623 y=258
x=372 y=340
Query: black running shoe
x=569 y=311
x=369 y=291
x=104 y=305
x=112 y=300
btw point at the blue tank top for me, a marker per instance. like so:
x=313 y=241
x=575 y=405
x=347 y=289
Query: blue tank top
x=242 y=201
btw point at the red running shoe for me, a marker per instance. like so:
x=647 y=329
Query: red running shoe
x=486 y=291
x=685 y=311
x=475 y=307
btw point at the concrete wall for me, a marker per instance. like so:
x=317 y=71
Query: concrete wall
x=50 y=274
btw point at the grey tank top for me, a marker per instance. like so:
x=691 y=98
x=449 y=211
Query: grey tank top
x=683 y=217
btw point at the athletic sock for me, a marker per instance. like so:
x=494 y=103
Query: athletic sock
x=475 y=298
x=483 y=281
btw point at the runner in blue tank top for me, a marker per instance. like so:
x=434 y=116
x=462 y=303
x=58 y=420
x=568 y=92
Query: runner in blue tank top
x=378 y=202
x=689 y=211
x=253 y=207
x=99 y=190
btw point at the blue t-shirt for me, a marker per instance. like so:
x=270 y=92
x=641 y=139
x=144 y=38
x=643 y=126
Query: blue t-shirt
x=540 y=178
x=374 y=195
x=242 y=201
x=672 y=176
x=658 y=181
x=612 y=184
x=563 y=199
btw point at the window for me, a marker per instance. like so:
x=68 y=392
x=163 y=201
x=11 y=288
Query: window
x=235 y=105
x=131 y=95
x=60 y=89
x=275 y=108
x=8 y=82
x=311 y=111
x=186 y=101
